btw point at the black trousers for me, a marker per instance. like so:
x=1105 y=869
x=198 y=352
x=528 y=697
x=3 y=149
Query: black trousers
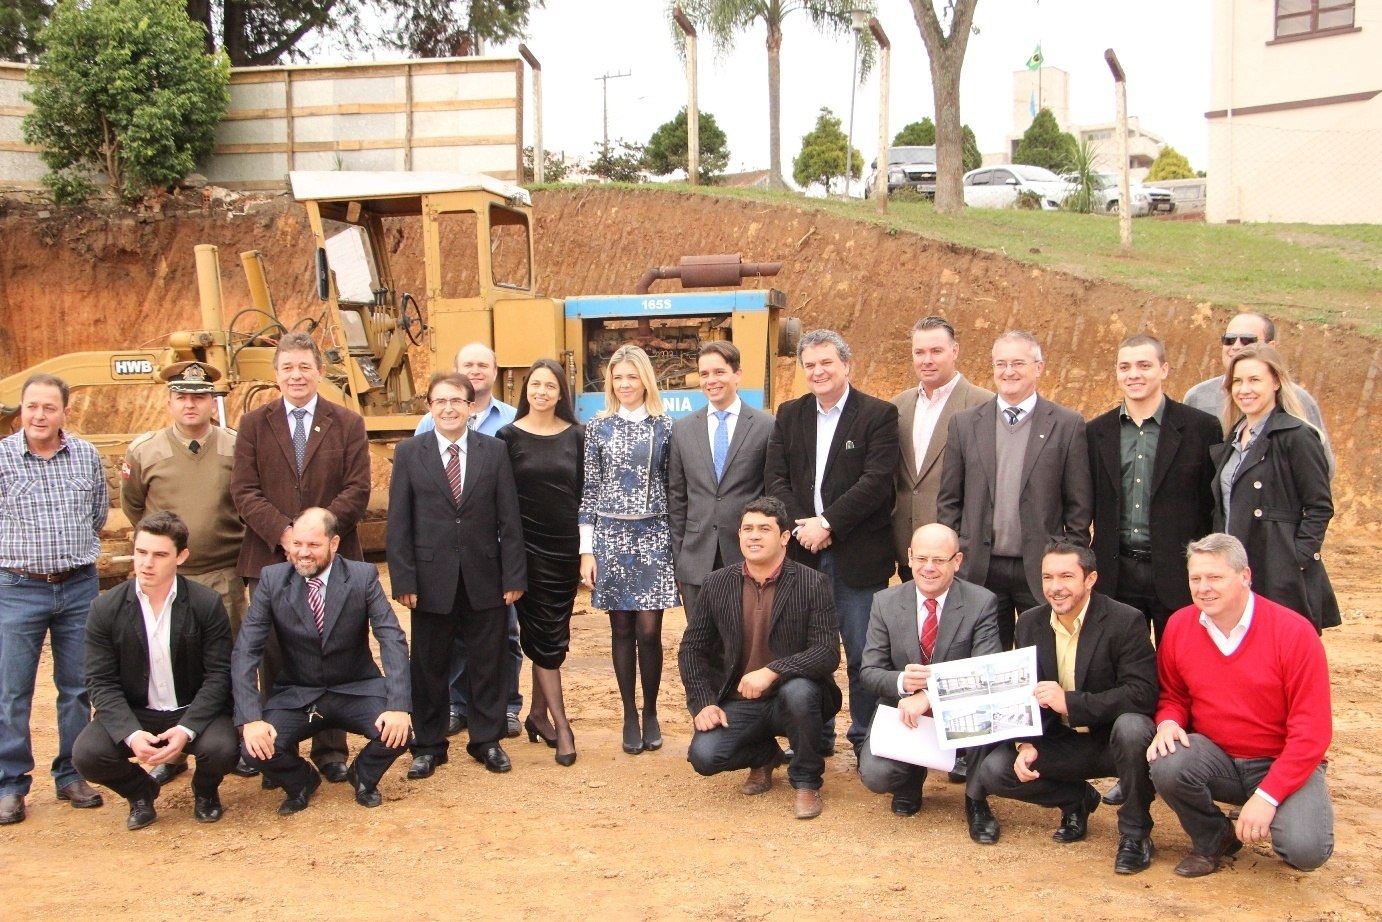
x=798 y=711
x=106 y=762
x=346 y=713
x=485 y=632
x=1137 y=587
x=1007 y=579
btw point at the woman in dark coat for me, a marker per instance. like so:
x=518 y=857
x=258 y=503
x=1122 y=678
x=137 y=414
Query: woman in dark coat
x=1272 y=489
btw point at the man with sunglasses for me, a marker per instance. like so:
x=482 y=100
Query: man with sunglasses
x=1247 y=329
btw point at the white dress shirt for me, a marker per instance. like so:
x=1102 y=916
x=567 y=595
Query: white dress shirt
x=163 y=693
x=730 y=421
x=927 y=415
x=1227 y=643
x=921 y=619
x=311 y=409
x=1026 y=406
x=827 y=421
x=444 y=446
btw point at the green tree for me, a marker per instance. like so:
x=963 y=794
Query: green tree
x=1170 y=164
x=724 y=19
x=126 y=88
x=554 y=166
x=667 y=148
x=824 y=152
x=1044 y=144
x=620 y=161
x=972 y=158
x=455 y=28
x=946 y=36
x=922 y=133
x=21 y=21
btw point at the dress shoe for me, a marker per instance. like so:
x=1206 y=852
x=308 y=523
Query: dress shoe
x=567 y=759
x=514 y=728
x=365 y=796
x=11 y=809
x=1115 y=796
x=760 y=780
x=1074 y=824
x=297 y=802
x=80 y=794
x=268 y=784
x=1196 y=865
x=142 y=813
x=494 y=758
x=960 y=772
x=335 y=772
x=633 y=736
x=424 y=765
x=906 y=804
x=652 y=733
x=455 y=724
x=983 y=828
x=166 y=772
x=807 y=805
x=535 y=733
x=207 y=809
x=244 y=769
x=1133 y=855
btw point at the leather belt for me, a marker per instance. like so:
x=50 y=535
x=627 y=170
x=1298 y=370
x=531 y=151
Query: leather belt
x=50 y=578
x=1135 y=555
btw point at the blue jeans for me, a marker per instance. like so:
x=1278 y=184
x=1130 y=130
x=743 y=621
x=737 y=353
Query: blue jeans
x=29 y=610
x=458 y=659
x=852 y=606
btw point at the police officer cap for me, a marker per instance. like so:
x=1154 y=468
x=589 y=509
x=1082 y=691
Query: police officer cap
x=191 y=378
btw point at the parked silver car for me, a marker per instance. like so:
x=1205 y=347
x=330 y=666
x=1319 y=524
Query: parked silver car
x=909 y=167
x=999 y=186
x=1145 y=199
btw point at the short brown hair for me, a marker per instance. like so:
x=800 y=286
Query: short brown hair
x=453 y=378
x=44 y=380
x=298 y=342
x=724 y=349
x=1144 y=339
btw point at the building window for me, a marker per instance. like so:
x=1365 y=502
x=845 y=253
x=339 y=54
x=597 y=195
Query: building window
x=1305 y=17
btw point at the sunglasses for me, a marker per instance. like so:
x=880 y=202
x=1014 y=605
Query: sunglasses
x=1246 y=339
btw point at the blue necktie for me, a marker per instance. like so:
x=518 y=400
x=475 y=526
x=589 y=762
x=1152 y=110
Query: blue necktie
x=299 y=437
x=720 y=446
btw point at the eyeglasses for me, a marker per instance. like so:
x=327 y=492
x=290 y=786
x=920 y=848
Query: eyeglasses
x=441 y=402
x=1245 y=339
x=932 y=561
x=1015 y=366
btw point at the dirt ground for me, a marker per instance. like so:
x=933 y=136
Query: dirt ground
x=618 y=836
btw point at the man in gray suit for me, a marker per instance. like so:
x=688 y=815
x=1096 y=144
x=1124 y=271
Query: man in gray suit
x=923 y=414
x=715 y=468
x=934 y=619
x=1016 y=476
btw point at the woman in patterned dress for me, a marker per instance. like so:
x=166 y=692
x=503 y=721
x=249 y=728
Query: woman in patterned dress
x=626 y=545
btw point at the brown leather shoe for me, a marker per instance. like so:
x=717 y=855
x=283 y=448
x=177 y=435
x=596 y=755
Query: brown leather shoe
x=760 y=780
x=1195 y=865
x=11 y=809
x=808 y=804
x=81 y=795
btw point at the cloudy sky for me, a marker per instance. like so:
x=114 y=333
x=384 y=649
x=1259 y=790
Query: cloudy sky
x=1164 y=48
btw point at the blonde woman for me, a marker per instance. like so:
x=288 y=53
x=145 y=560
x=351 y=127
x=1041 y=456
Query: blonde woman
x=626 y=545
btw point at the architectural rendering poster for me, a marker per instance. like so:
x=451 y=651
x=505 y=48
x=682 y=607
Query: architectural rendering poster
x=985 y=699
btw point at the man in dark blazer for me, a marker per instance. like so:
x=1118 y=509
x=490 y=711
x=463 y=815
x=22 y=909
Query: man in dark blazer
x=456 y=559
x=323 y=608
x=923 y=418
x=896 y=667
x=713 y=473
x=291 y=454
x=158 y=672
x=1010 y=490
x=830 y=461
x=1097 y=687
x=758 y=660
x=1150 y=463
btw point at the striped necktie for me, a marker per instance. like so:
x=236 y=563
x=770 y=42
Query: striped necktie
x=453 y=471
x=930 y=626
x=317 y=601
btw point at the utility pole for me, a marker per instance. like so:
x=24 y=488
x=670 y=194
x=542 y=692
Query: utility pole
x=880 y=176
x=605 y=92
x=1120 y=85
x=693 y=112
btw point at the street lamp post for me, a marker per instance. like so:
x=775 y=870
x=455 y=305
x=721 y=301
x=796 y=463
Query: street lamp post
x=858 y=21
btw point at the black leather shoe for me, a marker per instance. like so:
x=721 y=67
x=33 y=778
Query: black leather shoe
x=11 y=809
x=983 y=828
x=455 y=724
x=1133 y=855
x=960 y=772
x=80 y=794
x=424 y=765
x=141 y=814
x=207 y=809
x=494 y=758
x=1116 y=796
x=906 y=805
x=1074 y=824
x=268 y=784
x=167 y=772
x=335 y=772
x=514 y=727
x=244 y=769
x=297 y=802
x=364 y=796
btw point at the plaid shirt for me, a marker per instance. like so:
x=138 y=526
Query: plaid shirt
x=51 y=509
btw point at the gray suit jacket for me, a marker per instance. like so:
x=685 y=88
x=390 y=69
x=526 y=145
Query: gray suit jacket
x=1057 y=494
x=969 y=627
x=337 y=660
x=703 y=514
x=917 y=488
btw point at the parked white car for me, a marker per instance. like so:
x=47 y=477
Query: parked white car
x=1145 y=199
x=998 y=186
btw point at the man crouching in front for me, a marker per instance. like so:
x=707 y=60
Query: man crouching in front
x=758 y=661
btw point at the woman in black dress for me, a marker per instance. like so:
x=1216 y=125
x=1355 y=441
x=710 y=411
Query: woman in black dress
x=546 y=449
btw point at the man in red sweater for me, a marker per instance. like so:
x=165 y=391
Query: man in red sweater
x=1243 y=718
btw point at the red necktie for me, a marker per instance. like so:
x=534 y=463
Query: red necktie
x=930 y=625
x=453 y=471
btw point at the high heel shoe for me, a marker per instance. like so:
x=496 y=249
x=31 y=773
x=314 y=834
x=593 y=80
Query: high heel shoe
x=632 y=733
x=568 y=759
x=534 y=734
x=652 y=733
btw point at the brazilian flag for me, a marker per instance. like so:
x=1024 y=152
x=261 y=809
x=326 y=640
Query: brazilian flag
x=1036 y=60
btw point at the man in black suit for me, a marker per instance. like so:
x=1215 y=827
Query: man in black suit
x=322 y=607
x=1097 y=686
x=758 y=660
x=1149 y=458
x=831 y=460
x=158 y=672
x=456 y=559
x=1016 y=476
x=716 y=466
x=931 y=618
